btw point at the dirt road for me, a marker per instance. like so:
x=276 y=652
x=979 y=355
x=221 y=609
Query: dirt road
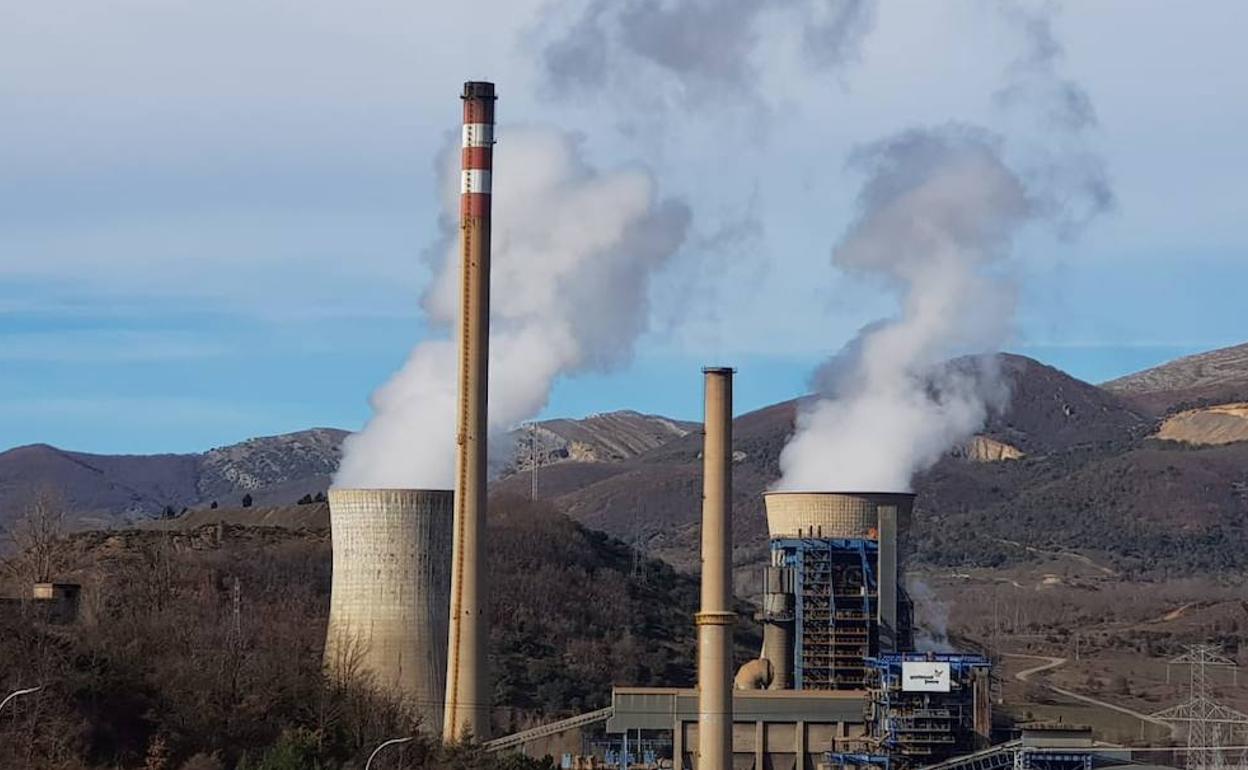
x=1048 y=664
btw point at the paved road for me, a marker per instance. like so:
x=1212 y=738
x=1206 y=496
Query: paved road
x=1048 y=664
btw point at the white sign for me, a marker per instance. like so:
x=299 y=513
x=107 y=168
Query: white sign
x=924 y=676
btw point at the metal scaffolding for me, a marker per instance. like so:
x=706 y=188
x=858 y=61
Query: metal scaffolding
x=835 y=628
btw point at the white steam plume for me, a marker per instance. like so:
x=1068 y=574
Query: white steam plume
x=936 y=217
x=574 y=250
x=939 y=209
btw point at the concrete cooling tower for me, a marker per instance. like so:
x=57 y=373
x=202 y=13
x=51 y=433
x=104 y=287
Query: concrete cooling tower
x=391 y=592
x=833 y=514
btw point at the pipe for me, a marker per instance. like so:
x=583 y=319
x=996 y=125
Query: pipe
x=778 y=650
x=777 y=618
x=754 y=675
x=716 y=618
x=467 y=682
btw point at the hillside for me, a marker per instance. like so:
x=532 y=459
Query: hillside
x=1067 y=465
x=577 y=611
x=609 y=437
x=103 y=490
x=1220 y=424
x=1060 y=423
x=1216 y=377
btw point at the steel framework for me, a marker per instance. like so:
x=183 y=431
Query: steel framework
x=1208 y=722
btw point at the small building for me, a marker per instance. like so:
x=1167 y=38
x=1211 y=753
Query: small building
x=58 y=602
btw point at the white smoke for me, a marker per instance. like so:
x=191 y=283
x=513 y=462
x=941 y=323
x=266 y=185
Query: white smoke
x=938 y=210
x=573 y=253
x=931 y=618
x=936 y=220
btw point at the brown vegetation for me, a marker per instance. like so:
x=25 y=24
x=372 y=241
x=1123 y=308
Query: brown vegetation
x=167 y=669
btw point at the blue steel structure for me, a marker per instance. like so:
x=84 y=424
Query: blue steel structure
x=836 y=601
x=922 y=727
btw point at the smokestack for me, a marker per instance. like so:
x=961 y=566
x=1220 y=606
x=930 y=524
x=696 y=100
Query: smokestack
x=467 y=690
x=391 y=591
x=716 y=619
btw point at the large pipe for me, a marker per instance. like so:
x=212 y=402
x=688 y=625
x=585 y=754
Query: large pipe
x=467 y=682
x=716 y=618
x=391 y=584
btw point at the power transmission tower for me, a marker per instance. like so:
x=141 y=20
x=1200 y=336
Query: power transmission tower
x=236 y=630
x=1208 y=721
x=638 y=544
x=533 y=460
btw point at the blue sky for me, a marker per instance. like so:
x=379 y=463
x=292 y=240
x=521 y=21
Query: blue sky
x=214 y=216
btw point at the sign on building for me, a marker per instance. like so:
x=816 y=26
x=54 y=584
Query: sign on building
x=924 y=676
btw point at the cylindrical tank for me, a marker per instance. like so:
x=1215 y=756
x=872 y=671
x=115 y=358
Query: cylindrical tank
x=391 y=592
x=832 y=514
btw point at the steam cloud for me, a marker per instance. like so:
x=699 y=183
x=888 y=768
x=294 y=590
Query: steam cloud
x=574 y=250
x=937 y=217
x=939 y=208
x=701 y=43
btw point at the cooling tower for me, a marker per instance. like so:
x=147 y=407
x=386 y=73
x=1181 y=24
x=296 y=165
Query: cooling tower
x=834 y=514
x=391 y=591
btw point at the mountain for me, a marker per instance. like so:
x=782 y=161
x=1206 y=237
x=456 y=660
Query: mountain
x=1067 y=466
x=654 y=500
x=609 y=437
x=102 y=490
x=1216 y=377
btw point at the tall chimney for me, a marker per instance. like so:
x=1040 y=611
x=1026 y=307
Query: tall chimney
x=716 y=619
x=467 y=682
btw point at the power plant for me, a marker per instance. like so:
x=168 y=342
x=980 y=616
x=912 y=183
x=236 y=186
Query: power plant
x=837 y=681
x=827 y=687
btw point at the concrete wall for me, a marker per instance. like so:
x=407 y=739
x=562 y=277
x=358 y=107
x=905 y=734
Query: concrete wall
x=391 y=591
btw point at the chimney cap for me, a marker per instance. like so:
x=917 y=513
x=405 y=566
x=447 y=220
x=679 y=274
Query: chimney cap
x=718 y=370
x=478 y=89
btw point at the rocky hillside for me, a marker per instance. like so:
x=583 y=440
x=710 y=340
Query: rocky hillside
x=105 y=489
x=102 y=490
x=1068 y=466
x=1220 y=424
x=1087 y=477
x=609 y=437
x=1216 y=377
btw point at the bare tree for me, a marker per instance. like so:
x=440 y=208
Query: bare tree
x=39 y=536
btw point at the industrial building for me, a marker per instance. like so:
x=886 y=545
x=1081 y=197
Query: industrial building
x=836 y=633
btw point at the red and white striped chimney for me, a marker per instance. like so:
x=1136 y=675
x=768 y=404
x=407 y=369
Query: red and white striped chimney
x=468 y=691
